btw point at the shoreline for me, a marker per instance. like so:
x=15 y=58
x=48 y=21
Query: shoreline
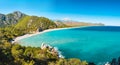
x=44 y=31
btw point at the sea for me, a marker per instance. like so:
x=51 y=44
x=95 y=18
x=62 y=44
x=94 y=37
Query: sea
x=98 y=44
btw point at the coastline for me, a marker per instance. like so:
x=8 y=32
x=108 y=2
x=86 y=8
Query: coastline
x=44 y=31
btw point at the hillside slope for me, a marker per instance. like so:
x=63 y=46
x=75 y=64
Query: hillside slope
x=34 y=24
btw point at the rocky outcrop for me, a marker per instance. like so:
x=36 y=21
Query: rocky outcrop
x=52 y=50
x=2 y=20
x=11 y=18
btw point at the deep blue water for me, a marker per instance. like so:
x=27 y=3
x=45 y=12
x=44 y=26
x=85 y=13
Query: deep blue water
x=97 y=44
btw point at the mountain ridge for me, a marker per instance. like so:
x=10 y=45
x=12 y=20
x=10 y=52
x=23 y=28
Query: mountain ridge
x=15 y=17
x=11 y=18
x=77 y=23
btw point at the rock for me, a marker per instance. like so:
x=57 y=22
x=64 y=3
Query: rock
x=11 y=18
x=52 y=50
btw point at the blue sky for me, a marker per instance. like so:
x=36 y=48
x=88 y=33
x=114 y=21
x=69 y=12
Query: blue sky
x=104 y=11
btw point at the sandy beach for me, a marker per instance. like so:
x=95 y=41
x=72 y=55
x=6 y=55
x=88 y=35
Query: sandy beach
x=29 y=35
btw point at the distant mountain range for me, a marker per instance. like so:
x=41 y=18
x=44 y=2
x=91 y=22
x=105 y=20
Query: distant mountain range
x=76 y=23
x=15 y=17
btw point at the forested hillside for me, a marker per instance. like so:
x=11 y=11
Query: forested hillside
x=18 y=24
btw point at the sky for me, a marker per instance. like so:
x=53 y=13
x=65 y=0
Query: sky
x=94 y=11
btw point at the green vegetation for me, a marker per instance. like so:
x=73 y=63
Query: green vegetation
x=15 y=54
x=26 y=25
x=17 y=24
x=34 y=23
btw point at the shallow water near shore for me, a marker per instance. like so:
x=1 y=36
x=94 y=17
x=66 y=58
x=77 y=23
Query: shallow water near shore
x=97 y=44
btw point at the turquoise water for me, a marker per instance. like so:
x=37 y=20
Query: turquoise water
x=97 y=44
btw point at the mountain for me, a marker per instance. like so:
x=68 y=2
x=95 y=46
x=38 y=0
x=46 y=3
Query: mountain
x=59 y=23
x=10 y=19
x=17 y=17
x=34 y=24
x=75 y=23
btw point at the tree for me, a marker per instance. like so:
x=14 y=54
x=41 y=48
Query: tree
x=61 y=62
x=17 y=51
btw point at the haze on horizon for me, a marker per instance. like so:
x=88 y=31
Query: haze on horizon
x=94 y=11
